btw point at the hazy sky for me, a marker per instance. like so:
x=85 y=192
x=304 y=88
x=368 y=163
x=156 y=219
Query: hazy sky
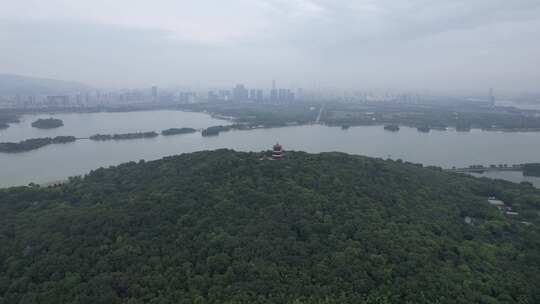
x=459 y=44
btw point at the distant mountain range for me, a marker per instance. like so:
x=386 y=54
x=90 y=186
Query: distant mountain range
x=17 y=84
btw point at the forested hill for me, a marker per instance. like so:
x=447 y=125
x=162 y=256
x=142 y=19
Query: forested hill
x=17 y=84
x=228 y=227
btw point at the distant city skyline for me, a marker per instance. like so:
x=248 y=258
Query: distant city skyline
x=405 y=45
x=154 y=95
x=16 y=88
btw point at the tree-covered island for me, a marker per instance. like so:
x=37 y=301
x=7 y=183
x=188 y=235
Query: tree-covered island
x=47 y=123
x=33 y=144
x=177 y=131
x=125 y=136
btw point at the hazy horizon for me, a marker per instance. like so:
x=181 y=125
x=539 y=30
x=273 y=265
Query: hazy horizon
x=421 y=44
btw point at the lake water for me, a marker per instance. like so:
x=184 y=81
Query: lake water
x=55 y=162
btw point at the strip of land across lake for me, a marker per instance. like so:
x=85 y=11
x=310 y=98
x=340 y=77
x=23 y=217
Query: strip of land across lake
x=36 y=143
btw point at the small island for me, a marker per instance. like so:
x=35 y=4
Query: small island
x=176 y=131
x=105 y=137
x=463 y=128
x=34 y=143
x=423 y=129
x=215 y=130
x=47 y=123
x=393 y=128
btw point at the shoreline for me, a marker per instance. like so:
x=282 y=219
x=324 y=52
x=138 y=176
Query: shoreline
x=62 y=181
x=216 y=115
x=249 y=127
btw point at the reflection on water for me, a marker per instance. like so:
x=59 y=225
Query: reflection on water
x=440 y=148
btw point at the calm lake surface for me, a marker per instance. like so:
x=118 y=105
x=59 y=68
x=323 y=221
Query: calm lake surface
x=56 y=162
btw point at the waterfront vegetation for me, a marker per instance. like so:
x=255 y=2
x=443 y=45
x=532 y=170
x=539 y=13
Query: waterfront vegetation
x=6 y=119
x=393 y=128
x=215 y=130
x=176 y=131
x=36 y=143
x=462 y=117
x=531 y=169
x=258 y=114
x=47 y=123
x=33 y=144
x=125 y=136
x=228 y=227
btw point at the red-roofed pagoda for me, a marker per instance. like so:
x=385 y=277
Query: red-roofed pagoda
x=277 y=153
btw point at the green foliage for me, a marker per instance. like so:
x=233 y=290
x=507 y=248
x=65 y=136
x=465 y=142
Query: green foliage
x=256 y=114
x=47 y=123
x=531 y=169
x=215 y=130
x=175 y=131
x=228 y=227
x=137 y=135
x=34 y=143
x=427 y=117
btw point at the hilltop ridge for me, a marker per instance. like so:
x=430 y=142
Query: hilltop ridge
x=18 y=84
x=230 y=227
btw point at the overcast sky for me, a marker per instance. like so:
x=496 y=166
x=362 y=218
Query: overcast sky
x=401 y=44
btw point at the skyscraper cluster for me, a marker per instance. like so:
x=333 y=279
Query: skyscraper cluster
x=240 y=93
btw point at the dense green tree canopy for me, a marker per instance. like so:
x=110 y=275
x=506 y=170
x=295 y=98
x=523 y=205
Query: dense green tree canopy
x=34 y=143
x=230 y=227
x=124 y=136
x=176 y=131
x=47 y=123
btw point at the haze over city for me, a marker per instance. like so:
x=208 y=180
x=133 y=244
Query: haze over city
x=419 y=44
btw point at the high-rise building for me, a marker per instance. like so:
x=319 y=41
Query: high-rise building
x=78 y=99
x=212 y=96
x=260 y=96
x=273 y=92
x=57 y=100
x=491 y=97
x=154 y=93
x=291 y=96
x=285 y=95
x=300 y=93
x=240 y=93
x=282 y=94
x=252 y=94
x=225 y=95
